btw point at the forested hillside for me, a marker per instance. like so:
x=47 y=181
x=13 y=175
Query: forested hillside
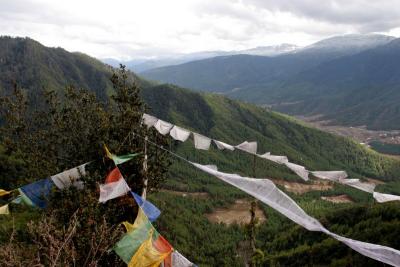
x=183 y=221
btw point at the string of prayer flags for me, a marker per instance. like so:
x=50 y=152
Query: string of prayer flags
x=4 y=192
x=4 y=210
x=266 y=191
x=149 y=120
x=119 y=159
x=151 y=211
x=163 y=127
x=179 y=133
x=114 y=187
x=37 y=193
x=70 y=177
x=201 y=142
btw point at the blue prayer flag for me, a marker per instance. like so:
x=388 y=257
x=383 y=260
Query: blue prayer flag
x=38 y=192
x=151 y=211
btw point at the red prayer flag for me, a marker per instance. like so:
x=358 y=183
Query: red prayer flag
x=113 y=176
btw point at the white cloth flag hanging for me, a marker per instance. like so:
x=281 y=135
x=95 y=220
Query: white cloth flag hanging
x=356 y=183
x=70 y=177
x=113 y=190
x=330 y=175
x=179 y=133
x=276 y=159
x=250 y=147
x=298 y=169
x=222 y=145
x=178 y=260
x=380 y=197
x=163 y=127
x=149 y=120
x=266 y=191
x=201 y=141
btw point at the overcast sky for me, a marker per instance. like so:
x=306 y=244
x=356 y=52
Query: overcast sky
x=146 y=28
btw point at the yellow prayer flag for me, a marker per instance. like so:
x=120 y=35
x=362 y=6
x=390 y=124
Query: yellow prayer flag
x=108 y=154
x=4 y=210
x=141 y=218
x=147 y=255
x=4 y=192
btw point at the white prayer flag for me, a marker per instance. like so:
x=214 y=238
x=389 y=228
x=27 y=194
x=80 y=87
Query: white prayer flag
x=330 y=175
x=250 y=147
x=276 y=159
x=179 y=133
x=113 y=190
x=381 y=198
x=356 y=183
x=222 y=145
x=163 y=127
x=70 y=177
x=298 y=169
x=201 y=141
x=149 y=120
x=178 y=260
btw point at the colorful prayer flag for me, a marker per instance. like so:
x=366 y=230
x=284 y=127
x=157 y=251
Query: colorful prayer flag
x=152 y=252
x=37 y=193
x=4 y=210
x=114 y=176
x=119 y=159
x=151 y=211
x=142 y=243
x=4 y=192
x=113 y=190
x=136 y=235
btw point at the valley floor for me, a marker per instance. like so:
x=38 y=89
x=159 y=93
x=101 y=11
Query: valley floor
x=360 y=133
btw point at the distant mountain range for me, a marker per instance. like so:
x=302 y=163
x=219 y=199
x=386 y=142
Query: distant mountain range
x=350 y=79
x=141 y=65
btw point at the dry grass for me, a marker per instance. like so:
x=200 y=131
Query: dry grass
x=238 y=213
x=338 y=199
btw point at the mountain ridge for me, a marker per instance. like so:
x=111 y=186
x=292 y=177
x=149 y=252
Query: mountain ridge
x=293 y=77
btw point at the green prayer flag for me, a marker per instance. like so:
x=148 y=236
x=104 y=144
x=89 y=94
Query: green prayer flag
x=124 y=158
x=25 y=199
x=131 y=242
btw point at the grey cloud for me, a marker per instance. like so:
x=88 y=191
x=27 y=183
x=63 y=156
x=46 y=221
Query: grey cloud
x=31 y=11
x=364 y=15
